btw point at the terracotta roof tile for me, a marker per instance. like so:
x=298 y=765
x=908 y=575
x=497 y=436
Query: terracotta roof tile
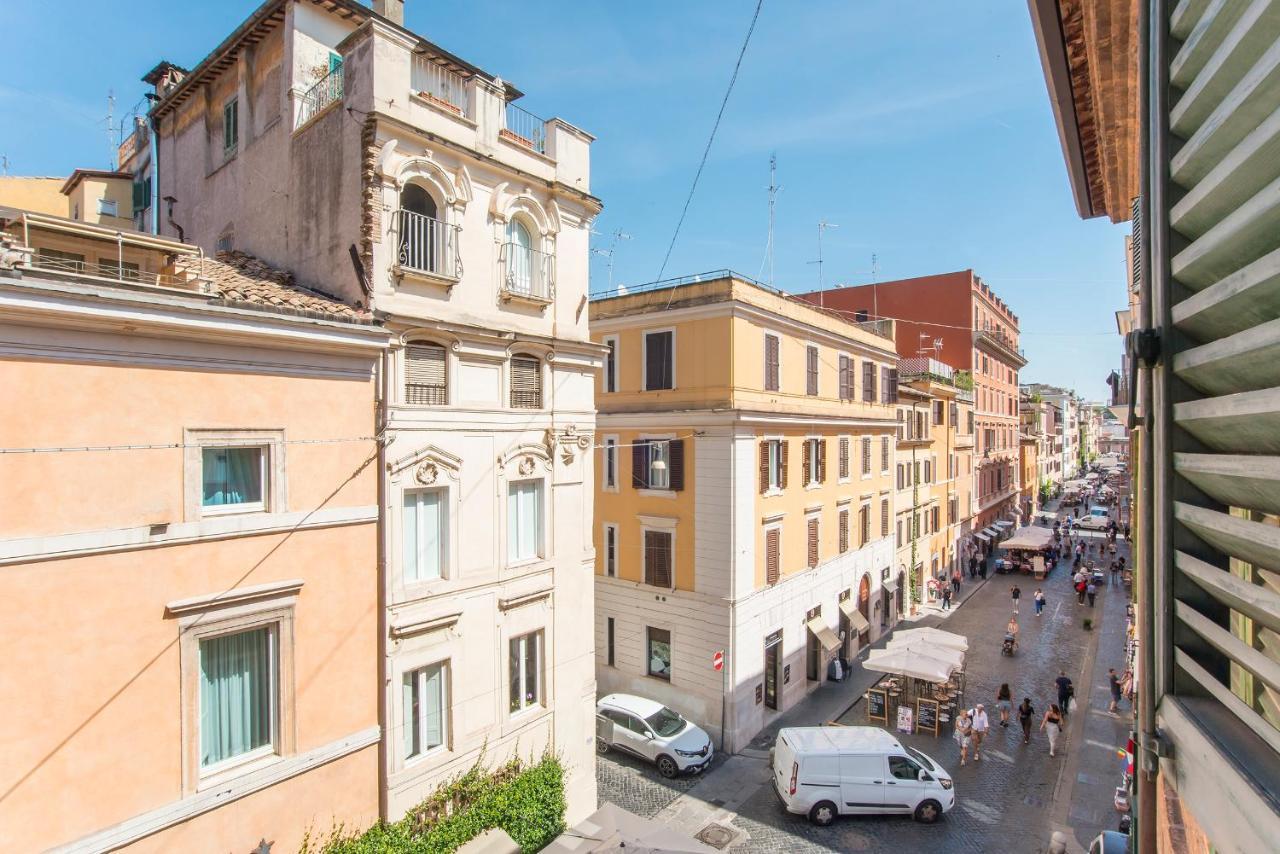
x=240 y=277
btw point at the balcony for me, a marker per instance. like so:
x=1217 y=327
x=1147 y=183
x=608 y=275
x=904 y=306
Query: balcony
x=428 y=247
x=527 y=275
x=922 y=367
x=524 y=128
x=440 y=86
x=1001 y=345
x=325 y=91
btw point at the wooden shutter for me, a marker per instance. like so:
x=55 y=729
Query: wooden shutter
x=811 y=377
x=771 y=362
x=884 y=453
x=813 y=542
x=640 y=465
x=884 y=517
x=822 y=461
x=772 y=558
x=675 y=464
x=893 y=385
x=764 y=467
x=782 y=480
x=844 y=457
x=846 y=393
x=868 y=382
x=424 y=375
x=806 y=466
x=866 y=455
x=844 y=531
x=657 y=558
x=864 y=525
x=526 y=382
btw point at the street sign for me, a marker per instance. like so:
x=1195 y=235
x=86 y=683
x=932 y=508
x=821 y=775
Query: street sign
x=717 y=660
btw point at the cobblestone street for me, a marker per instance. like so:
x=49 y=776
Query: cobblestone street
x=1009 y=802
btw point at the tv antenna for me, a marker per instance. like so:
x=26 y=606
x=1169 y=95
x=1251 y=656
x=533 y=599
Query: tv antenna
x=822 y=226
x=618 y=234
x=111 y=121
x=773 y=195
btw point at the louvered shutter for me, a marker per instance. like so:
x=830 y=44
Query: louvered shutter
x=884 y=453
x=526 y=382
x=884 y=385
x=893 y=385
x=675 y=464
x=771 y=362
x=866 y=455
x=868 y=382
x=884 y=517
x=806 y=465
x=845 y=392
x=657 y=558
x=764 y=467
x=844 y=531
x=424 y=375
x=640 y=465
x=1212 y=225
x=772 y=558
x=844 y=458
x=782 y=446
x=822 y=461
x=811 y=376
x=813 y=542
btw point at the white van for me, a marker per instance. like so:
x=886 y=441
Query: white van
x=823 y=772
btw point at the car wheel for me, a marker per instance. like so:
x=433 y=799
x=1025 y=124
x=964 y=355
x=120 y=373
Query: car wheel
x=823 y=813
x=928 y=812
x=667 y=767
x=602 y=746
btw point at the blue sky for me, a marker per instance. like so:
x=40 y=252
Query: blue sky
x=921 y=129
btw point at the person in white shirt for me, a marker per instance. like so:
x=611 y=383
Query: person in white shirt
x=981 y=726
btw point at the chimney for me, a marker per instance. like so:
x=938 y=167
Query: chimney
x=392 y=10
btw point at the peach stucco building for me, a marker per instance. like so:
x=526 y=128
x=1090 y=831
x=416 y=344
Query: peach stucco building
x=188 y=547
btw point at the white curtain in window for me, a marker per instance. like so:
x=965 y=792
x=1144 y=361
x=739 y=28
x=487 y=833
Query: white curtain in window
x=423 y=696
x=232 y=476
x=524 y=520
x=424 y=534
x=521 y=257
x=236 y=694
x=524 y=663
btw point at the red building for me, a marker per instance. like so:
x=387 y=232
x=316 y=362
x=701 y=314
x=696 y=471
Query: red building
x=957 y=319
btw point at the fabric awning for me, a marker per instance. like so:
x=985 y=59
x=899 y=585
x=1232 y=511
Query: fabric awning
x=826 y=637
x=984 y=536
x=1030 y=537
x=850 y=609
x=891 y=585
x=1002 y=524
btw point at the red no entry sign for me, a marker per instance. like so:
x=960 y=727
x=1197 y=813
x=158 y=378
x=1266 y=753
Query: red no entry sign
x=717 y=660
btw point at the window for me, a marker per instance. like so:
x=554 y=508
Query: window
x=234 y=479
x=811 y=370
x=772 y=556
x=898 y=532
x=812 y=545
x=230 y=125
x=142 y=194
x=938 y=412
x=524 y=520
x=526 y=382
x=888 y=389
x=864 y=525
x=936 y=513
x=525 y=665
x=659 y=361
x=903 y=768
x=113 y=268
x=609 y=636
x=238 y=696
x=425 y=517
x=56 y=259
x=866 y=456
x=843 y=520
x=771 y=362
x=815 y=461
x=611 y=365
x=893 y=385
x=868 y=382
x=658 y=464
x=422 y=694
x=610 y=550
x=846 y=378
x=424 y=375
x=658 y=559
x=884 y=517
x=773 y=465
x=844 y=458
x=658 y=652
x=610 y=463
x=108 y=207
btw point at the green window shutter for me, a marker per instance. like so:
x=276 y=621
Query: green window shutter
x=335 y=62
x=139 y=195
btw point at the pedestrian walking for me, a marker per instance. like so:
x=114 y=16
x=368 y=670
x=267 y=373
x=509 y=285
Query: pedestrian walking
x=946 y=598
x=1039 y=600
x=1026 y=712
x=1082 y=587
x=1015 y=594
x=981 y=726
x=1004 y=702
x=973 y=565
x=1051 y=724
x=1065 y=691
x=955 y=581
x=982 y=567
x=1113 y=682
x=1091 y=590
x=964 y=734
x=1126 y=532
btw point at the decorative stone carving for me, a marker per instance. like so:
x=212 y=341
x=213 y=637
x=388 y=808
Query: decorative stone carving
x=526 y=466
x=427 y=474
x=569 y=441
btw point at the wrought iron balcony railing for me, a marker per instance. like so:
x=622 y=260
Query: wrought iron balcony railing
x=324 y=92
x=428 y=245
x=527 y=273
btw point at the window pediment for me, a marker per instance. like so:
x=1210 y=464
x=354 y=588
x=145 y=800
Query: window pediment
x=428 y=466
x=525 y=460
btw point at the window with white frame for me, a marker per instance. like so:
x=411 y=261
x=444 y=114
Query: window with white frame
x=424 y=700
x=610 y=550
x=659 y=652
x=425 y=376
x=230 y=126
x=773 y=465
x=659 y=360
x=524 y=656
x=524 y=520
x=234 y=479
x=815 y=452
x=108 y=207
x=611 y=364
x=659 y=465
x=239 y=683
x=610 y=462
x=659 y=558
x=425 y=534
x=526 y=382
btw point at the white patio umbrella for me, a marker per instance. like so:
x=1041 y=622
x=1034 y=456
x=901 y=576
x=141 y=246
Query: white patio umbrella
x=935 y=636
x=950 y=655
x=906 y=662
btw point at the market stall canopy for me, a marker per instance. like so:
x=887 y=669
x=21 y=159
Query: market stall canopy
x=953 y=657
x=905 y=662
x=850 y=609
x=1030 y=537
x=935 y=636
x=823 y=633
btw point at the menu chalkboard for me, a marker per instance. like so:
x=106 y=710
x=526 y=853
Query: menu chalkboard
x=927 y=716
x=877 y=706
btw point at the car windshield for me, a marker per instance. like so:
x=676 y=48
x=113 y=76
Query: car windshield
x=922 y=759
x=665 y=722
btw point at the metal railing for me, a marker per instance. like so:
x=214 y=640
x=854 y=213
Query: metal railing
x=523 y=127
x=323 y=92
x=427 y=244
x=438 y=84
x=110 y=270
x=923 y=366
x=527 y=272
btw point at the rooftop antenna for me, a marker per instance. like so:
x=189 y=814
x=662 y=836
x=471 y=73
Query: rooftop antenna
x=823 y=225
x=875 y=296
x=4 y=163
x=618 y=234
x=773 y=194
x=111 y=120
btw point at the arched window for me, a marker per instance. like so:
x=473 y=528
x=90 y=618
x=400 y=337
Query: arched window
x=526 y=382
x=520 y=258
x=425 y=379
x=422 y=234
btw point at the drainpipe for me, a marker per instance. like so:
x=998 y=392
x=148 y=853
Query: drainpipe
x=382 y=679
x=155 y=170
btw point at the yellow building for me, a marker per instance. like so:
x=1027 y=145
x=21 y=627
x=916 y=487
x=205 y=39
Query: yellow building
x=744 y=497
x=95 y=196
x=933 y=477
x=1028 y=459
